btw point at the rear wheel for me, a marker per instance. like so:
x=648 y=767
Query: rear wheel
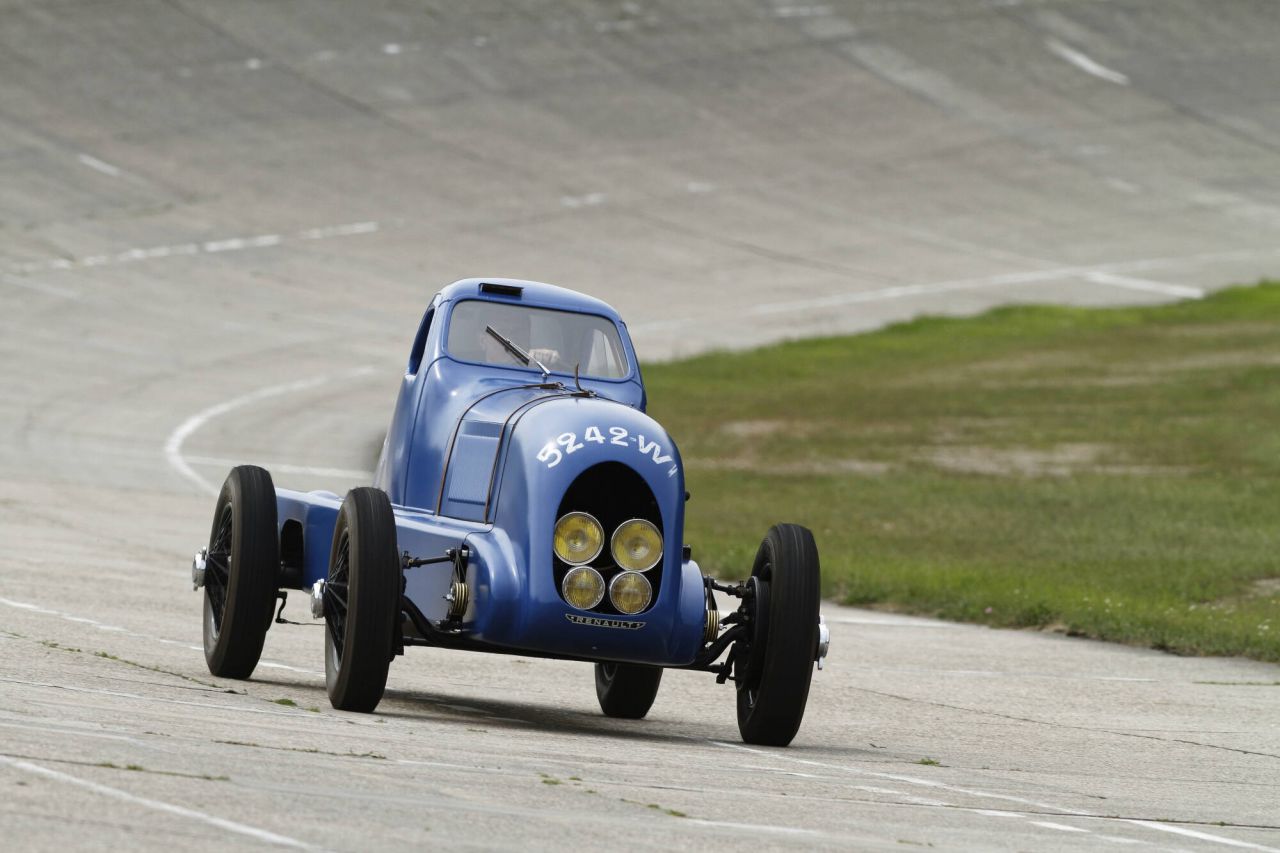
x=361 y=601
x=242 y=570
x=774 y=666
x=627 y=690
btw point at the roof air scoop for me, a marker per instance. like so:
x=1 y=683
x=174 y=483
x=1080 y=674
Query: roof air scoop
x=502 y=289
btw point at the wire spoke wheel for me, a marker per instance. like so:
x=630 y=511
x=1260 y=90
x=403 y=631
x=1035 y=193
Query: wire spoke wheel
x=361 y=601
x=773 y=665
x=242 y=570
x=217 y=576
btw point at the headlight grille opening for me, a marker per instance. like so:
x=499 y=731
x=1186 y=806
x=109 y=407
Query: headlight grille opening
x=618 y=500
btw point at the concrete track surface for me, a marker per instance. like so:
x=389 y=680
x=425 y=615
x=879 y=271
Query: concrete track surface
x=220 y=221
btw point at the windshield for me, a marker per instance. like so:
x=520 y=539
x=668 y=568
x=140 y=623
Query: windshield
x=559 y=339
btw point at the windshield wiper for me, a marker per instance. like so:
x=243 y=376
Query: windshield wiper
x=520 y=355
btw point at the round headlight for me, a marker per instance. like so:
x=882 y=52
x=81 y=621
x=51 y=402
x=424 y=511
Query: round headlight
x=578 y=538
x=630 y=592
x=582 y=587
x=637 y=545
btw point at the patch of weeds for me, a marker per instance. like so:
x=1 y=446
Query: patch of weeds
x=315 y=709
x=138 y=768
x=481 y=731
x=288 y=703
x=50 y=644
x=550 y=780
x=930 y=762
x=652 y=806
x=1241 y=683
x=575 y=778
x=161 y=670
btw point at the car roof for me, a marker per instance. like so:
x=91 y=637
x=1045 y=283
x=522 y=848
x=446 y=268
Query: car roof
x=533 y=293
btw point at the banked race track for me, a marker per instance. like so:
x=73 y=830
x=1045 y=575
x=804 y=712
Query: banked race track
x=220 y=223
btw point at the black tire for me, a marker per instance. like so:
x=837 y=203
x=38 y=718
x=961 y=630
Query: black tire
x=627 y=690
x=775 y=667
x=242 y=573
x=361 y=601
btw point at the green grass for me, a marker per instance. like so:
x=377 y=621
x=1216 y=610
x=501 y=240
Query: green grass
x=1110 y=472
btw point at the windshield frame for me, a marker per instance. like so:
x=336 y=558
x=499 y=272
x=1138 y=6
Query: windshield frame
x=627 y=352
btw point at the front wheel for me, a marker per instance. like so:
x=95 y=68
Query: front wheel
x=242 y=572
x=361 y=601
x=774 y=665
x=627 y=690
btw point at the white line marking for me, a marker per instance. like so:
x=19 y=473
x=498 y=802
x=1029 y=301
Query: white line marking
x=1115 y=839
x=253 y=64
x=901 y=291
x=588 y=200
x=349 y=229
x=1145 y=285
x=225 y=244
x=173 y=446
x=1163 y=827
x=753 y=827
x=234 y=244
x=1203 y=836
x=1028 y=277
x=157 y=805
x=801 y=11
x=391 y=49
x=1086 y=64
x=283 y=467
x=1061 y=827
x=100 y=166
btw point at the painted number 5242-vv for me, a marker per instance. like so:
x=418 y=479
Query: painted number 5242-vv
x=567 y=442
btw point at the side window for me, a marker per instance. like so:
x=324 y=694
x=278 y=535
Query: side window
x=420 y=343
x=603 y=361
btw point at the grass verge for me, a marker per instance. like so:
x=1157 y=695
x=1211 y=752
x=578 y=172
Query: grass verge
x=1114 y=473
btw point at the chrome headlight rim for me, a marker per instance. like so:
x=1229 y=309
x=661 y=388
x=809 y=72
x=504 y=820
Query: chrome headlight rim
x=648 y=599
x=564 y=582
x=613 y=544
x=593 y=520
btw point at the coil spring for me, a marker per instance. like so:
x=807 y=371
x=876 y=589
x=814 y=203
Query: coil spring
x=459 y=596
x=712 y=629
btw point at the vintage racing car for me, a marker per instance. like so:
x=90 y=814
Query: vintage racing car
x=524 y=503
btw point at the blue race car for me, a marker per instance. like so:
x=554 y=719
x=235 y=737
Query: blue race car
x=524 y=503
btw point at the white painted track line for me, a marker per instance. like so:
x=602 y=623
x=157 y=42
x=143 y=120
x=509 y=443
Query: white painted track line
x=173 y=445
x=1086 y=63
x=222 y=823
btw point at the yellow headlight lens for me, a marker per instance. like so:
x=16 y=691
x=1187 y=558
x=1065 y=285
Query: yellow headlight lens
x=578 y=538
x=582 y=587
x=637 y=545
x=630 y=592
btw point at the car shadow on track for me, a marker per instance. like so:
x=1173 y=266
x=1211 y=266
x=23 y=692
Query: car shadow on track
x=468 y=711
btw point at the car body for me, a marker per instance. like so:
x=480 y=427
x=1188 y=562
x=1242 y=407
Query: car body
x=519 y=434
